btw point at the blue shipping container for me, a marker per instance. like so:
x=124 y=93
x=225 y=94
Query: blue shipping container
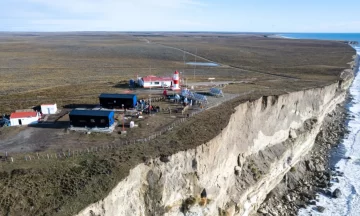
x=91 y=118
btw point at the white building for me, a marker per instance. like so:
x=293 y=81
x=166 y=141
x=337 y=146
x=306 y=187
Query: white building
x=47 y=109
x=24 y=118
x=155 y=82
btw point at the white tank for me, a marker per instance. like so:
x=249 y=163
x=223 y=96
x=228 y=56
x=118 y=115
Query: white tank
x=132 y=124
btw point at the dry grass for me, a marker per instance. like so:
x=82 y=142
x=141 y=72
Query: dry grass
x=76 y=68
x=67 y=68
x=65 y=187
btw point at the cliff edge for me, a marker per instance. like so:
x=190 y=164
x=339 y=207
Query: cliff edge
x=232 y=173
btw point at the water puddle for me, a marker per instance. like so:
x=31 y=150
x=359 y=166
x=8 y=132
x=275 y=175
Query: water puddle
x=208 y=64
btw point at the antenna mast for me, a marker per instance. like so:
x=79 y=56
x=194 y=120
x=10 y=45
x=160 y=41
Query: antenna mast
x=195 y=63
x=150 y=93
x=184 y=68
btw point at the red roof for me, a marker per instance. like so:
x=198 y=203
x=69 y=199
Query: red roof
x=156 y=79
x=23 y=114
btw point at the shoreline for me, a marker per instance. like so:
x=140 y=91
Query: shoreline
x=349 y=42
x=336 y=154
x=343 y=159
x=311 y=176
x=280 y=36
x=318 y=170
x=92 y=184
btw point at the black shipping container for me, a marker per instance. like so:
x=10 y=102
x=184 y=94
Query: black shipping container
x=115 y=101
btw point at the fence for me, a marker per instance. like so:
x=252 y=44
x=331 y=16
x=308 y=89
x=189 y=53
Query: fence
x=109 y=147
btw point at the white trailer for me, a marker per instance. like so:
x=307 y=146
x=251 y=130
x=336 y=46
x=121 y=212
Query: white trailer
x=48 y=109
x=24 y=118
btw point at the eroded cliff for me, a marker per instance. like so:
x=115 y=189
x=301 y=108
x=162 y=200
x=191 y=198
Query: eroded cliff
x=232 y=173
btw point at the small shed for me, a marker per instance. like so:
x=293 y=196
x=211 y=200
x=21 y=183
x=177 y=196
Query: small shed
x=112 y=101
x=91 y=118
x=24 y=118
x=48 y=109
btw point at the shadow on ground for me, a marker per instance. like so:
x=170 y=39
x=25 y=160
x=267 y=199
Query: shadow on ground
x=122 y=85
x=74 y=106
x=58 y=125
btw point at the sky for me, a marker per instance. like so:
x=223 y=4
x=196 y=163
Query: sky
x=181 y=15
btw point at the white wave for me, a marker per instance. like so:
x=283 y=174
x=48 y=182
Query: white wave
x=286 y=37
x=349 y=203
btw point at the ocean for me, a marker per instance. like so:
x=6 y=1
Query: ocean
x=323 y=36
x=349 y=203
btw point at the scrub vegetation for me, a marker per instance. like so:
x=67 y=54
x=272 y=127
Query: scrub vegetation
x=70 y=69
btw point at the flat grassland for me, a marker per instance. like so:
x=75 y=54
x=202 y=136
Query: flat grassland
x=74 y=68
x=70 y=68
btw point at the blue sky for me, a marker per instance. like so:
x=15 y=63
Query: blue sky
x=181 y=15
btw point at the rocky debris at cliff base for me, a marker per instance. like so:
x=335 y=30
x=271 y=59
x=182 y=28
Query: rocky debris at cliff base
x=337 y=193
x=311 y=175
x=320 y=209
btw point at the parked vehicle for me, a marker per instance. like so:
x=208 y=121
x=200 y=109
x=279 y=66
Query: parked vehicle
x=4 y=121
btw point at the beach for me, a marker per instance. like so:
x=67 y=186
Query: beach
x=346 y=160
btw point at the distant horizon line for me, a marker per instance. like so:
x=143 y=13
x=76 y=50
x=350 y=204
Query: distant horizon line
x=138 y=31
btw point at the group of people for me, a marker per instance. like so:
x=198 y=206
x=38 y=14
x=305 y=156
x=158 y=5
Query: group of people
x=144 y=106
x=188 y=102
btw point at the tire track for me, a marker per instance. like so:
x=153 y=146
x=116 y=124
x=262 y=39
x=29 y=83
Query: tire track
x=230 y=66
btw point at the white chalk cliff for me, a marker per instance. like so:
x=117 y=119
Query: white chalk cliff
x=164 y=188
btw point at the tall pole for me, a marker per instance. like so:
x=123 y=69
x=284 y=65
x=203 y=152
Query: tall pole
x=184 y=57
x=150 y=93
x=184 y=65
x=123 y=127
x=195 y=63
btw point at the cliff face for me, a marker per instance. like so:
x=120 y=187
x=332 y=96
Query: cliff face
x=233 y=172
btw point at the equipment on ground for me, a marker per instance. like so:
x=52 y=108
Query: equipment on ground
x=4 y=122
x=131 y=83
x=193 y=96
x=216 y=92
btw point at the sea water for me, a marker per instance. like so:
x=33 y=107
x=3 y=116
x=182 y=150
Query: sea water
x=324 y=36
x=349 y=203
